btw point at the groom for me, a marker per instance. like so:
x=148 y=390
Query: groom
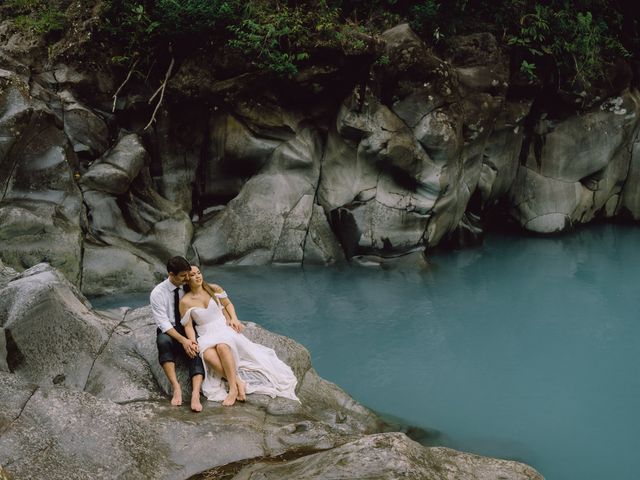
x=171 y=338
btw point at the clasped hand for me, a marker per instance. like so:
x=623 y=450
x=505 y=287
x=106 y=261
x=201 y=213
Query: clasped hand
x=191 y=348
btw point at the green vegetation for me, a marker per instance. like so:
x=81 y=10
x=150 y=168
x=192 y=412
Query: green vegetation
x=273 y=36
x=580 y=44
x=37 y=16
x=579 y=38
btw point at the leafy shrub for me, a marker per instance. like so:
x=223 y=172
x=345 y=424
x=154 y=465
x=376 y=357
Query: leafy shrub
x=579 y=43
x=37 y=16
x=272 y=35
x=193 y=17
x=280 y=36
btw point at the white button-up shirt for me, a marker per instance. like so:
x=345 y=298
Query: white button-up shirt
x=161 y=300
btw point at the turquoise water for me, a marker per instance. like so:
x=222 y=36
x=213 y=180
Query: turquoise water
x=524 y=348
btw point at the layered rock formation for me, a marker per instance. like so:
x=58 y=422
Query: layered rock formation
x=82 y=396
x=422 y=149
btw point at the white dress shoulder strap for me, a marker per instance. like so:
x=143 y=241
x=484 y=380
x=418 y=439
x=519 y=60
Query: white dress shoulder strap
x=186 y=317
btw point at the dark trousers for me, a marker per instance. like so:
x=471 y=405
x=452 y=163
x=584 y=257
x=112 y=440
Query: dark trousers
x=169 y=350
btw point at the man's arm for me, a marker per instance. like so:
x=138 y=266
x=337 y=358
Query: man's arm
x=160 y=313
x=161 y=317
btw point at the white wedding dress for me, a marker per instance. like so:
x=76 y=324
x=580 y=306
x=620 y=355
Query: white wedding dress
x=259 y=367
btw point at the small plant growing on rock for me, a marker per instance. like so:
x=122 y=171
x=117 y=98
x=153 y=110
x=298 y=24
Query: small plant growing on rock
x=37 y=16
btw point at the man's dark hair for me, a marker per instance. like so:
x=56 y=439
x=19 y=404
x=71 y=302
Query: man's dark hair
x=176 y=265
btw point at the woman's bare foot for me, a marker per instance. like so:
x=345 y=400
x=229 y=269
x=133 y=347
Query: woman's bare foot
x=241 y=390
x=196 y=406
x=231 y=398
x=176 y=400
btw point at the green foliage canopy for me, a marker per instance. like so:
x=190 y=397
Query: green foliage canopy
x=581 y=36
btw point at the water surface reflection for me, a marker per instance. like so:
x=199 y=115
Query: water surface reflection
x=525 y=348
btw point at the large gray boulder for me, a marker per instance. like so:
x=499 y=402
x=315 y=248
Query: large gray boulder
x=41 y=210
x=65 y=433
x=410 y=155
x=131 y=235
x=108 y=270
x=629 y=204
x=132 y=229
x=580 y=167
x=389 y=456
x=114 y=172
x=52 y=335
x=86 y=396
x=178 y=138
x=270 y=219
x=234 y=153
x=87 y=131
x=501 y=157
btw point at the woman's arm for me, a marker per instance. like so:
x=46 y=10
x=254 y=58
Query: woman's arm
x=228 y=310
x=190 y=331
x=191 y=347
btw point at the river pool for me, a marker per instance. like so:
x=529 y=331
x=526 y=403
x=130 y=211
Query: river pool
x=524 y=348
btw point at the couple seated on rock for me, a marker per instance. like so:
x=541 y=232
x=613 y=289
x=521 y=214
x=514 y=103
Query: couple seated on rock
x=197 y=319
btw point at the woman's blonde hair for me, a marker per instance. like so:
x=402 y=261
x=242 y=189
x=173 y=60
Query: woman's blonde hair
x=206 y=287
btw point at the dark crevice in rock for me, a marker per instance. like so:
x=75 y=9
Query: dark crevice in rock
x=199 y=188
x=102 y=347
x=84 y=231
x=14 y=356
x=636 y=139
x=141 y=327
x=195 y=254
x=401 y=177
x=265 y=447
x=346 y=230
x=134 y=400
x=315 y=196
x=33 y=392
x=487 y=161
x=590 y=182
x=230 y=470
x=280 y=235
x=14 y=165
x=530 y=139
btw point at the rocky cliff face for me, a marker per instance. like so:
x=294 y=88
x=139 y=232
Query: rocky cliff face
x=414 y=154
x=83 y=396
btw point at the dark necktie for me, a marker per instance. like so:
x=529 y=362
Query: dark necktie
x=176 y=308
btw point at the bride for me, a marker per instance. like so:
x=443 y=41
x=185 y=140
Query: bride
x=248 y=367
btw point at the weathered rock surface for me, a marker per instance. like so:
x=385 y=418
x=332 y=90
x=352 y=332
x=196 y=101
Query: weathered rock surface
x=52 y=335
x=40 y=205
x=576 y=168
x=390 y=456
x=110 y=269
x=87 y=131
x=118 y=215
x=143 y=224
x=629 y=204
x=269 y=221
x=59 y=348
x=114 y=172
x=84 y=397
x=411 y=154
x=415 y=152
